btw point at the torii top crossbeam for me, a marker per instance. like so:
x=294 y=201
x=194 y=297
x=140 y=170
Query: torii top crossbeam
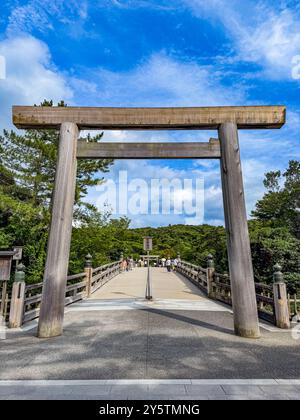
x=204 y=118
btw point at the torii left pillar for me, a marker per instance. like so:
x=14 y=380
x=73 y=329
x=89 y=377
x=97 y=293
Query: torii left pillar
x=56 y=270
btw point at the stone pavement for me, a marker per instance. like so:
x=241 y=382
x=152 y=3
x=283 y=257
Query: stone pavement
x=151 y=390
x=170 y=340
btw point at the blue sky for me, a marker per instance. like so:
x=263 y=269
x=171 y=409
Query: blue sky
x=161 y=53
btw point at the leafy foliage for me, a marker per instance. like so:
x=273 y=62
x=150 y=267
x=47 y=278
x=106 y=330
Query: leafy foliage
x=281 y=204
x=271 y=245
x=27 y=172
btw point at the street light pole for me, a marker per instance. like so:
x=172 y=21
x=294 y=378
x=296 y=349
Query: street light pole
x=148 y=248
x=148 y=288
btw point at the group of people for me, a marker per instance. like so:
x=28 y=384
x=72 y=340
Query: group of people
x=169 y=263
x=129 y=263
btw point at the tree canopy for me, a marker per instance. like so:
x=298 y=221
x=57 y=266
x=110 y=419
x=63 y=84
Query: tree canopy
x=27 y=171
x=281 y=204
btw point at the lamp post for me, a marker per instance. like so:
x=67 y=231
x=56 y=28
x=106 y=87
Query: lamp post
x=148 y=248
x=18 y=253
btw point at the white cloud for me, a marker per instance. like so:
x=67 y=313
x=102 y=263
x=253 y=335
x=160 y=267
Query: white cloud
x=147 y=171
x=161 y=80
x=134 y=4
x=262 y=32
x=274 y=42
x=158 y=81
x=31 y=76
x=27 y=17
x=253 y=175
x=44 y=15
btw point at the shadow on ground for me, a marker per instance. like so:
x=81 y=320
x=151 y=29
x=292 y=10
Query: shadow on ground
x=149 y=344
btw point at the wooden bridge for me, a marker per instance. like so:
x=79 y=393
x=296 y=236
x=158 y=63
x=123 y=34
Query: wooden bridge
x=188 y=287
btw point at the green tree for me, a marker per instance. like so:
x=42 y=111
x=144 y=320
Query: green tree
x=27 y=172
x=271 y=245
x=281 y=204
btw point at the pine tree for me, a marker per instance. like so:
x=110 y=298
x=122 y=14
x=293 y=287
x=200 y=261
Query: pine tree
x=281 y=204
x=27 y=172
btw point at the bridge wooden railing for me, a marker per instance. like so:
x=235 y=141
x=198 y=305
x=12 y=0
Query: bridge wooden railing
x=194 y=273
x=75 y=290
x=273 y=303
x=294 y=304
x=265 y=302
x=221 y=288
x=25 y=299
x=103 y=274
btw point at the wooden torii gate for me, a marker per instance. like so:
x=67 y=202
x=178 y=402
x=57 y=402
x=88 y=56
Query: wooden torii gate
x=227 y=120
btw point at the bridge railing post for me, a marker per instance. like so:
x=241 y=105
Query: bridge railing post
x=121 y=267
x=210 y=276
x=16 y=313
x=281 y=305
x=88 y=269
x=178 y=259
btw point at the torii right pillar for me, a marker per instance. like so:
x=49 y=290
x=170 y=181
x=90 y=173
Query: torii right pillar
x=238 y=243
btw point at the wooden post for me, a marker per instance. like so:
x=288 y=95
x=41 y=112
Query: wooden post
x=295 y=304
x=3 y=298
x=16 y=313
x=282 y=312
x=121 y=262
x=55 y=276
x=88 y=269
x=210 y=276
x=238 y=243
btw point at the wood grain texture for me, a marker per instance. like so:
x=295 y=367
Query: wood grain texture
x=210 y=150
x=16 y=313
x=238 y=243
x=246 y=117
x=55 y=276
x=281 y=306
x=210 y=279
x=88 y=279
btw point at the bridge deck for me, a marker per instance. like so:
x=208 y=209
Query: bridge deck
x=170 y=291
x=132 y=284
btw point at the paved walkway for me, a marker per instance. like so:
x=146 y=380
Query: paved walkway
x=170 y=290
x=181 y=337
x=165 y=285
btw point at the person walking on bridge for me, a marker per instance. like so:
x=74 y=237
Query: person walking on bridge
x=127 y=264
x=168 y=264
x=124 y=265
